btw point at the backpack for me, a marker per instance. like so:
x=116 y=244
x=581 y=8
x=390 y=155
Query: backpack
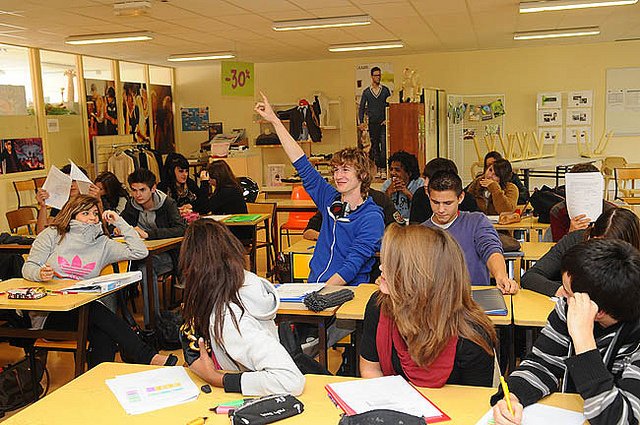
x=290 y=341
x=167 y=329
x=542 y=200
x=16 y=385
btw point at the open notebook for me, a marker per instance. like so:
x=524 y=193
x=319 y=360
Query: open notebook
x=387 y=392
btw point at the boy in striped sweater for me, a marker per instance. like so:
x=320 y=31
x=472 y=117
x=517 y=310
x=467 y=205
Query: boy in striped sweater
x=591 y=343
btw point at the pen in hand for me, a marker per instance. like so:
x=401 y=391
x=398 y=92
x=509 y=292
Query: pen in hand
x=507 y=397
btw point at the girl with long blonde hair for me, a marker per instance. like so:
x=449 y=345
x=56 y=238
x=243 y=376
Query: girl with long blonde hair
x=423 y=323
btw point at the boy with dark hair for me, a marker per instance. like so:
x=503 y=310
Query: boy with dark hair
x=472 y=230
x=420 y=206
x=154 y=215
x=404 y=180
x=591 y=340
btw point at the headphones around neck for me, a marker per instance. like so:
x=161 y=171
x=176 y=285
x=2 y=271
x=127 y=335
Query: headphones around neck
x=339 y=210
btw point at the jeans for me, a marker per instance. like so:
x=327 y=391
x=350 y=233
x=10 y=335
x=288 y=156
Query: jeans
x=107 y=332
x=378 y=151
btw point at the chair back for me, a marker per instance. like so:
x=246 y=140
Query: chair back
x=39 y=182
x=299 y=220
x=626 y=183
x=298 y=193
x=26 y=193
x=21 y=217
x=119 y=267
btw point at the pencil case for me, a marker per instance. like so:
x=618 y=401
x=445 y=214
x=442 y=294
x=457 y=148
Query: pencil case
x=382 y=416
x=26 y=293
x=266 y=410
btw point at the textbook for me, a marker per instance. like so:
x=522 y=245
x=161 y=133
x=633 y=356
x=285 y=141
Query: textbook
x=295 y=292
x=491 y=301
x=242 y=218
x=104 y=283
x=387 y=392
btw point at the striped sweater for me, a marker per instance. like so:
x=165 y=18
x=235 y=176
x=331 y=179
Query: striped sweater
x=607 y=378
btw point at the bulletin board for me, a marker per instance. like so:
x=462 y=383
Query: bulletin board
x=623 y=101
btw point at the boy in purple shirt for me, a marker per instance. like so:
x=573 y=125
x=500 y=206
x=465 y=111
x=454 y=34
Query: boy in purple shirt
x=472 y=230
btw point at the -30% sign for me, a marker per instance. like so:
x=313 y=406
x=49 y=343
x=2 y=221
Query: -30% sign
x=237 y=79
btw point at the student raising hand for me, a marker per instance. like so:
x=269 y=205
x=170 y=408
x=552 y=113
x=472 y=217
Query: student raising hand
x=264 y=109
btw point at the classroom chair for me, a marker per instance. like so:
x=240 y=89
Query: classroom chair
x=26 y=193
x=626 y=189
x=21 y=217
x=297 y=221
x=609 y=164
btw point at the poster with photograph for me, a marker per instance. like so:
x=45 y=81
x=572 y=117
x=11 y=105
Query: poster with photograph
x=549 y=117
x=497 y=107
x=102 y=109
x=137 y=110
x=275 y=174
x=550 y=100
x=580 y=99
x=578 y=117
x=214 y=129
x=13 y=100
x=163 y=121
x=551 y=136
x=195 y=119
x=578 y=134
x=17 y=155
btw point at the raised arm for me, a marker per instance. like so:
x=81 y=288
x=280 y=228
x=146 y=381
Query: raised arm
x=291 y=148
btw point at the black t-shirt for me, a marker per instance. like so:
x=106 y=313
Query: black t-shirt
x=472 y=365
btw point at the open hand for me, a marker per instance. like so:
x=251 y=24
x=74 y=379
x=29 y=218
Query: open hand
x=264 y=109
x=579 y=222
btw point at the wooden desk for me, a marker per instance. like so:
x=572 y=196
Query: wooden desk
x=533 y=251
x=296 y=205
x=530 y=310
x=156 y=246
x=88 y=400
x=528 y=224
x=52 y=303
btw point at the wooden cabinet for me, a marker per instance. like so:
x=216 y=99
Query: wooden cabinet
x=406 y=130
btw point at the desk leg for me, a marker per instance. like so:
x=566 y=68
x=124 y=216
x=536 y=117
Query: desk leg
x=31 y=354
x=151 y=292
x=81 y=339
x=322 y=343
x=252 y=255
x=356 y=345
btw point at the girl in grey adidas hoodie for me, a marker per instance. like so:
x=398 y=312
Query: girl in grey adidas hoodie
x=234 y=311
x=75 y=247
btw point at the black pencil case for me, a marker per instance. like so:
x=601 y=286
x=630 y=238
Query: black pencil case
x=382 y=417
x=266 y=410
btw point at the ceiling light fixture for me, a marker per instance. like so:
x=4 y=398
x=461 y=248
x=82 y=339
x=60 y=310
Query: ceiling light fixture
x=201 y=56
x=132 y=8
x=318 y=23
x=116 y=37
x=373 y=45
x=552 y=5
x=565 y=32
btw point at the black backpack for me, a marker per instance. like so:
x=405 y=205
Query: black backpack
x=16 y=384
x=542 y=200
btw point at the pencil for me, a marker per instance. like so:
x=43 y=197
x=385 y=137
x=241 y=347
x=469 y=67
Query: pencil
x=505 y=389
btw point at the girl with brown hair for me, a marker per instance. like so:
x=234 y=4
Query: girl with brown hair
x=423 y=323
x=493 y=190
x=75 y=247
x=234 y=311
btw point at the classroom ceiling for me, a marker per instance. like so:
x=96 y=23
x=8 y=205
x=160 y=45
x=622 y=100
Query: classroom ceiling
x=244 y=26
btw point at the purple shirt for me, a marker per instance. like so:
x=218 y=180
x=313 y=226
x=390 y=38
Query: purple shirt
x=478 y=240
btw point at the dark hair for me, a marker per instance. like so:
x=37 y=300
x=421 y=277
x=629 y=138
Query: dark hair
x=169 y=174
x=67 y=169
x=142 y=175
x=445 y=180
x=408 y=161
x=617 y=223
x=111 y=92
x=492 y=154
x=608 y=270
x=439 y=164
x=210 y=286
x=113 y=188
x=374 y=69
x=222 y=173
x=502 y=169
x=584 y=167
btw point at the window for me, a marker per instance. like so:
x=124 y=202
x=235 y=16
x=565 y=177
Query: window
x=16 y=92
x=59 y=83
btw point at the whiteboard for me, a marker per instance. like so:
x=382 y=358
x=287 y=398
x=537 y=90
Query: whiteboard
x=622 y=100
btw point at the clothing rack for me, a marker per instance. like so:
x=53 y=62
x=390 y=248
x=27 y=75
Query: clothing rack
x=103 y=147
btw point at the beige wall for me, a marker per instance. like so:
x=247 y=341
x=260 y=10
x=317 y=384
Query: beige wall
x=518 y=73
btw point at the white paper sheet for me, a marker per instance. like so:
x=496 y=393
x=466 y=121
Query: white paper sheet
x=81 y=178
x=58 y=184
x=296 y=291
x=388 y=392
x=541 y=414
x=153 y=389
x=217 y=217
x=584 y=194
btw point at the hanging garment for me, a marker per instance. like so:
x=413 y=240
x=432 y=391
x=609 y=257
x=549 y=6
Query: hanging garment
x=301 y=116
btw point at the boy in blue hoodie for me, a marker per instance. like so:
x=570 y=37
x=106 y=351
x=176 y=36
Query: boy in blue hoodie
x=154 y=215
x=352 y=224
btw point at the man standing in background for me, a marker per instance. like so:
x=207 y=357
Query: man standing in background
x=374 y=102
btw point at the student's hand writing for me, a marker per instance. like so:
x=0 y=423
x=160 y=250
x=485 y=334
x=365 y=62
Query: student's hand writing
x=110 y=216
x=142 y=233
x=46 y=273
x=204 y=367
x=506 y=285
x=501 y=414
x=41 y=197
x=265 y=110
x=579 y=222
x=581 y=314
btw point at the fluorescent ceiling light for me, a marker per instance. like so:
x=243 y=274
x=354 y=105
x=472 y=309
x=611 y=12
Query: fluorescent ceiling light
x=374 y=45
x=566 y=32
x=201 y=56
x=117 y=37
x=552 y=5
x=317 y=23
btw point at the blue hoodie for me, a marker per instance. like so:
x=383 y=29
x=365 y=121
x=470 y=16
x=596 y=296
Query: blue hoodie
x=346 y=246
